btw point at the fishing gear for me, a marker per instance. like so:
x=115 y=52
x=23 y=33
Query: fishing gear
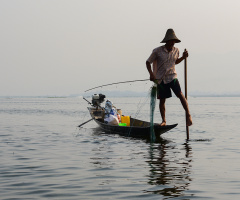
x=97 y=99
x=116 y=83
x=152 y=108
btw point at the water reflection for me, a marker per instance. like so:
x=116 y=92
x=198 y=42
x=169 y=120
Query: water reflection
x=169 y=165
x=170 y=169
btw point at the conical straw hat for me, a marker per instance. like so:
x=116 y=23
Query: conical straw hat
x=170 y=35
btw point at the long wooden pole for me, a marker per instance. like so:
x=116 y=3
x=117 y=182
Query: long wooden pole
x=185 y=72
x=85 y=122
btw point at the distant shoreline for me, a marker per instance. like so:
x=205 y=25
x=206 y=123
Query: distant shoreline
x=114 y=95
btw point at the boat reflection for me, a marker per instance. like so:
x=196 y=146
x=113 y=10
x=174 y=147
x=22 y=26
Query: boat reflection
x=170 y=169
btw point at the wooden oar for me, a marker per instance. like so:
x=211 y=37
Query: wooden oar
x=85 y=122
x=185 y=72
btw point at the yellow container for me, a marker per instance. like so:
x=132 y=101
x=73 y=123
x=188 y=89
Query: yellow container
x=125 y=119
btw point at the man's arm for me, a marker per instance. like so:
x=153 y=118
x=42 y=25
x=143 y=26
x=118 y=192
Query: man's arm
x=152 y=77
x=185 y=55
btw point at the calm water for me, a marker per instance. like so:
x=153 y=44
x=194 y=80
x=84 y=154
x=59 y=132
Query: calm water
x=44 y=156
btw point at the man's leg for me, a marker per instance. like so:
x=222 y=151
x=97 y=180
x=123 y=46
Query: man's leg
x=185 y=106
x=162 y=111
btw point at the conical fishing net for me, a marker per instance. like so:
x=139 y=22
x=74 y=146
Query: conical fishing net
x=152 y=108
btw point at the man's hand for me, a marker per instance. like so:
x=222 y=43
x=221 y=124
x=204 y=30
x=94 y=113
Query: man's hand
x=185 y=54
x=152 y=77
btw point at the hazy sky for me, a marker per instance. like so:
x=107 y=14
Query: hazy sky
x=62 y=47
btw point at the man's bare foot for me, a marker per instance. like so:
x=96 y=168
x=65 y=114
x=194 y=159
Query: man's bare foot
x=163 y=124
x=189 y=120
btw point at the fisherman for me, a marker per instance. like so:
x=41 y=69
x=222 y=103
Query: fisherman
x=164 y=74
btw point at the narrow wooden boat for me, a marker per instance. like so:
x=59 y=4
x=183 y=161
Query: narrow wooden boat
x=137 y=128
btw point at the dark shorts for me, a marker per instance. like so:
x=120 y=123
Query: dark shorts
x=164 y=90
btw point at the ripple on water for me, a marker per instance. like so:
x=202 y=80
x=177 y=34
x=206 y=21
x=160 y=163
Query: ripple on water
x=44 y=155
